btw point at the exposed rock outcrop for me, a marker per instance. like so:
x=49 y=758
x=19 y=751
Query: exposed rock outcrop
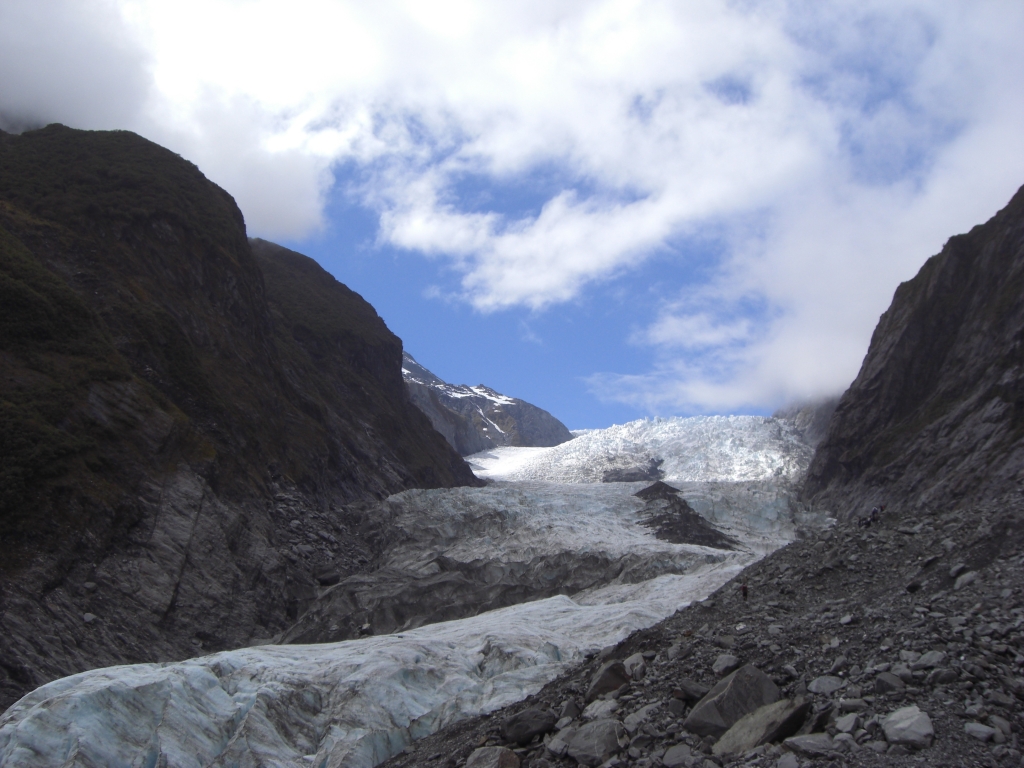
x=935 y=418
x=474 y=419
x=181 y=423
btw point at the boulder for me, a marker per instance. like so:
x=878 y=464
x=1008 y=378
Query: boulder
x=772 y=722
x=610 y=677
x=826 y=685
x=690 y=691
x=979 y=731
x=929 y=660
x=595 y=742
x=887 y=682
x=848 y=723
x=493 y=757
x=736 y=695
x=600 y=709
x=559 y=743
x=635 y=666
x=725 y=664
x=679 y=756
x=810 y=745
x=522 y=727
x=633 y=722
x=910 y=727
x=942 y=676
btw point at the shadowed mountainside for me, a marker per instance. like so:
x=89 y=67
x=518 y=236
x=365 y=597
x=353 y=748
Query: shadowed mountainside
x=935 y=418
x=184 y=417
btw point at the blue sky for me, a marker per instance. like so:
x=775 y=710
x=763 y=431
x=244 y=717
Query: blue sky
x=610 y=208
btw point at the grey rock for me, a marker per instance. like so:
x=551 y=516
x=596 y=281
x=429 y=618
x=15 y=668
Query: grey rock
x=810 y=745
x=852 y=705
x=559 y=743
x=942 y=676
x=680 y=756
x=595 y=742
x=493 y=757
x=788 y=760
x=909 y=727
x=523 y=726
x=725 y=664
x=736 y=695
x=847 y=723
x=887 y=682
x=690 y=691
x=929 y=660
x=826 y=685
x=600 y=709
x=635 y=666
x=903 y=672
x=633 y=721
x=965 y=579
x=610 y=677
x=1001 y=724
x=979 y=731
x=570 y=708
x=770 y=723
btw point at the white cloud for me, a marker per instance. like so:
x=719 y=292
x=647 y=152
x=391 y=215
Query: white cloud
x=859 y=135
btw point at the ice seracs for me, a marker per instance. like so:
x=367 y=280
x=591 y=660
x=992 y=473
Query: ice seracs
x=699 y=449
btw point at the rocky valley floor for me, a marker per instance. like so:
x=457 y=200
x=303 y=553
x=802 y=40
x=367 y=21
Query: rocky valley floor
x=903 y=642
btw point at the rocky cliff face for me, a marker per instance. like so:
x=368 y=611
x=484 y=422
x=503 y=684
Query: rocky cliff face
x=474 y=419
x=184 y=417
x=935 y=419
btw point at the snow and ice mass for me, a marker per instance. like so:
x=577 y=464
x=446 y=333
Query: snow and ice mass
x=358 y=702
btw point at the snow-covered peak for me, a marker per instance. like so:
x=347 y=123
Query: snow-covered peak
x=476 y=418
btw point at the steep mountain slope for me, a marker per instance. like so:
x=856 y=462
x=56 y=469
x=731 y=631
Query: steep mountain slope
x=935 y=418
x=178 y=438
x=474 y=419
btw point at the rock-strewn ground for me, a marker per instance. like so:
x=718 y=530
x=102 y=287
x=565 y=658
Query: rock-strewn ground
x=924 y=611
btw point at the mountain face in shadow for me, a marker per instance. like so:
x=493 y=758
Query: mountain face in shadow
x=935 y=418
x=186 y=416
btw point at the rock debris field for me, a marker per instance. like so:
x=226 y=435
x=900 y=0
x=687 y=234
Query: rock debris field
x=901 y=644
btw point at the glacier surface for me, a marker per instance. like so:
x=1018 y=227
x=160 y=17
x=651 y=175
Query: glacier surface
x=699 y=449
x=358 y=702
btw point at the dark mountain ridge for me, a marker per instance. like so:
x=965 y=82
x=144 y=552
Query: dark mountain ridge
x=935 y=418
x=185 y=416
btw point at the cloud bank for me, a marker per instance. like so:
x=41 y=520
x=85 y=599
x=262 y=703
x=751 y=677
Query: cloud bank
x=827 y=149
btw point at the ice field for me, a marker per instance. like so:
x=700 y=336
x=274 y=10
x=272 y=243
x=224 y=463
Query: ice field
x=356 y=703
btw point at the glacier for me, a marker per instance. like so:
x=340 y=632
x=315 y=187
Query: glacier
x=698 y=449
x=358 y=702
